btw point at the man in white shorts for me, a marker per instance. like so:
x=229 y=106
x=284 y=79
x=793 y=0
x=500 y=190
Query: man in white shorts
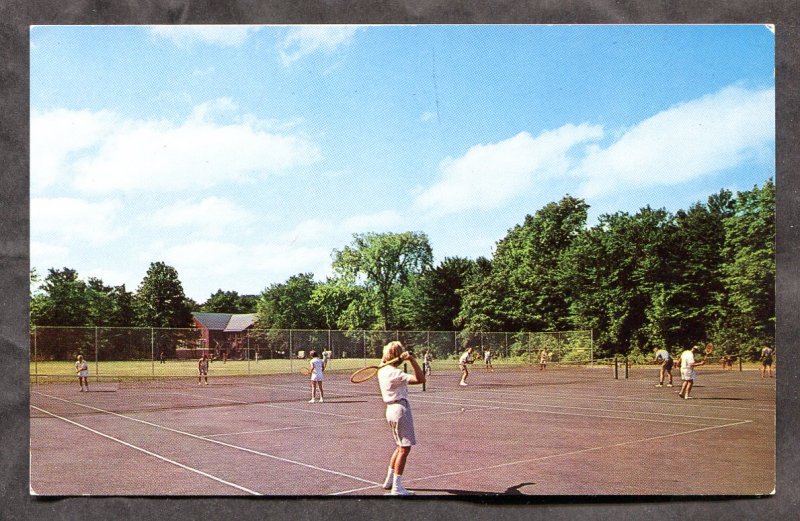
x=394 y=383
x=688 y=374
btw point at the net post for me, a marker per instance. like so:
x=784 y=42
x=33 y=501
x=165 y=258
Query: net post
x=626 y=367
x=616 y=368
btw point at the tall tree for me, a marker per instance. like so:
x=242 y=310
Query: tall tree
x=383 y=261
x=160 y=300
x=61 y=300
x=434 y=300
x=748 y=274
x=288 y=305
x=229 y=302
x=523 y=290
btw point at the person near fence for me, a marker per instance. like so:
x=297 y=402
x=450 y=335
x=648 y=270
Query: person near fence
x=766 y=362
x=663 y=357
x=162 y=358
x=688 y=374
x=543 y=357
x=487 y=359
x=393 y=383
x=82 y=369
x=426 y=362
x=463 y=362
x=317 y=366
x=202 y=368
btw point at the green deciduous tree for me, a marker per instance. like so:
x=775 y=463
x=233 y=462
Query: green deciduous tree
x=748 y=274
x=160 y=301
x=288 y=305
x=383 y=261
x=229 y=302
x=523 y=289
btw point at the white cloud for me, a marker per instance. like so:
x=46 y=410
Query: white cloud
x=427 y=116
x=57 y=135
x=103 y=152
x=45 y=254
x=220 y=35
x=489 y=175
x=685 y=142
x=305 y=40
x=64 y=220
x=211 y=216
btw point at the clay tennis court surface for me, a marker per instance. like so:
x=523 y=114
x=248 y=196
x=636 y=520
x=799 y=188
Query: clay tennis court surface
x=555 y=432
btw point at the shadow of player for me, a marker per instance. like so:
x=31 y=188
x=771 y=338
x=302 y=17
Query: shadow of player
x=510 y=491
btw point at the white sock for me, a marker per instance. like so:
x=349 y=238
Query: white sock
x=389 y=481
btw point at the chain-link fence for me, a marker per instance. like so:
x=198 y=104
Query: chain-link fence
x=157 y=351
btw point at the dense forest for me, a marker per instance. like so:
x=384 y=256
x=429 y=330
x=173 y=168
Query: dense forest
x=638 y=281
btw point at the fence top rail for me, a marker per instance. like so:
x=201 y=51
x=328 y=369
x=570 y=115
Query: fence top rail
x=351 y=331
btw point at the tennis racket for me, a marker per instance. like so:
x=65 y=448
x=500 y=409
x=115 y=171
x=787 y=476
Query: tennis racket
x=305 y=371
x=365 y=373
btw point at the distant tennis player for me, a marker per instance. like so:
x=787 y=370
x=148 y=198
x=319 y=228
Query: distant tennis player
x=317 y=366
x=688 y=374
x=82 y=369
x=426 y=362
x=394 y=390
x=766 y=362
x=463 y=362
x=487 y=359
x=202 y=369
x=543 y=357
x=663 y=357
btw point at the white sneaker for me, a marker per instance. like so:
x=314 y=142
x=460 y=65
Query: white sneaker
x=660 y=385
x=463 y=383
x=669 y=385
x=312 y=400
x=400 y=490
x=387 y=485
x=321 y=399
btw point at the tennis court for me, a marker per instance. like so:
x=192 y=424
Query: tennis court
x=567 y=430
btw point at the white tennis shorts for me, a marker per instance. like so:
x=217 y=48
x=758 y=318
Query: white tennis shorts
x=688 y=373
x=398 y=414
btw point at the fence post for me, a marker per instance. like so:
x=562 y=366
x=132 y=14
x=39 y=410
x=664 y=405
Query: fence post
x=153 y=351
x=591 y=346
x=96 y=348
x=291 y=354
x=248 y=351
x=365 y=347
x=35 y=356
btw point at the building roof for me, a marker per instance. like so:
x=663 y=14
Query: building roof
x=225 y=321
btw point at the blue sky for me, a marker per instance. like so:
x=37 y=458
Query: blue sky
x=242 y=155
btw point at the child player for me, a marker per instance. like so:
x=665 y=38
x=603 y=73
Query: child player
x=394 y=383
x=317 y=366
x=82 y=368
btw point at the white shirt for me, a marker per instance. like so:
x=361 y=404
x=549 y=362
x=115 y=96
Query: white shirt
x=317 y=366
x=464 y=357
x=687 y=359
x=81 y=366
x=393 y=383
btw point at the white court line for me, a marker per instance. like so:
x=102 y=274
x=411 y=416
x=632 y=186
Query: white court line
x=222 y=443
x=271 y=406
x=368 y=420
x=140 y=449
x=616 y=399
x=466 y=401
x=542 y=458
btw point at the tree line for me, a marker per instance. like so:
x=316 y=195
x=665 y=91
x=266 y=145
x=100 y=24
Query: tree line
x=638 y=281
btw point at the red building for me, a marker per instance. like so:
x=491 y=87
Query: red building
x=224 y=333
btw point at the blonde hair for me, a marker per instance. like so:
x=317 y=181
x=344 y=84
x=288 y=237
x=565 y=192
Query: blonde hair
x=392 y=350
